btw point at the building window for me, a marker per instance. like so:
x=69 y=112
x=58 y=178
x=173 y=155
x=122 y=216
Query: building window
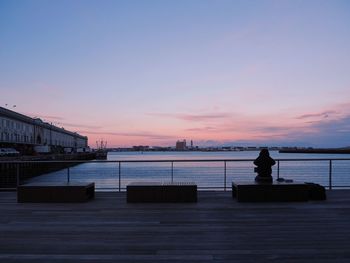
x=38 y=139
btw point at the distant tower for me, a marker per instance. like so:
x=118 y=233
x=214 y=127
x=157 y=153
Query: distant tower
x=191 y=144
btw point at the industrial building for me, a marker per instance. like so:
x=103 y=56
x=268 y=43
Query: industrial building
x=181 y=145
x=25 y=133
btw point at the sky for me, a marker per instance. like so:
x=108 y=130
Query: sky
x=138 y=72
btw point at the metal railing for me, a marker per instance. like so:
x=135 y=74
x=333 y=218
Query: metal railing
x=207 y=173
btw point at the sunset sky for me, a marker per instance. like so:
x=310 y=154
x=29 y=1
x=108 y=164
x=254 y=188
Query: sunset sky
x=153 y=72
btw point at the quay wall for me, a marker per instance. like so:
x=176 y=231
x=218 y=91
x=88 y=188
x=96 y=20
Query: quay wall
x=8 y=169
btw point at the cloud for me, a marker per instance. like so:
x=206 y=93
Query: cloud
x=80 y=125
x=146 y=135
x=325 y=132
x=288 y=130
x=324 y=114
x=194 y=117
x=268 y=129
x=333 y=125
x=56 y=120
x=202 y=129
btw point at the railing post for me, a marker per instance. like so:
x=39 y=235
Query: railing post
x=17 y=174
x=172 y=172
x=119 y=175
x=224 y=175
x=278 y=169
x=68 y=175
x=330 y=174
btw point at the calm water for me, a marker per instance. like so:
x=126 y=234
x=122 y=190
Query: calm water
x=207 y=175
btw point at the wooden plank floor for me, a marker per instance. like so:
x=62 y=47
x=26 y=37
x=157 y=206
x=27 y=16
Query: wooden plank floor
x=216 y=229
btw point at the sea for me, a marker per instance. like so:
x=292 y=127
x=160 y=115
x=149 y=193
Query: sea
x=209 y=170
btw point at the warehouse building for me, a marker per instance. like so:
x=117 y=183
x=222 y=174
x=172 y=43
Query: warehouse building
x=23 y=132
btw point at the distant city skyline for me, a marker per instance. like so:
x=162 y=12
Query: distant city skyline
x=153 y=72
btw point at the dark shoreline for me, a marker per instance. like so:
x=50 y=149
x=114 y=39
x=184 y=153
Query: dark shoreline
x=321 y=151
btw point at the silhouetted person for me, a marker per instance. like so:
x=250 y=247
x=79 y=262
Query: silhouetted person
x=264 y=163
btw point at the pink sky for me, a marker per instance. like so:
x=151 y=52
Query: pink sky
x=227 y=72
x=162 y=129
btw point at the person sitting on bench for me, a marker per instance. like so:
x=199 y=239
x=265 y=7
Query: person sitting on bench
x=264 y=163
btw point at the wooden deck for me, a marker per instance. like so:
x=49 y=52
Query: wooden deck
x=216 y=229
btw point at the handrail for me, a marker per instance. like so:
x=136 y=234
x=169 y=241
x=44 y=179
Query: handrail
x=224 y=162
x=173 y=160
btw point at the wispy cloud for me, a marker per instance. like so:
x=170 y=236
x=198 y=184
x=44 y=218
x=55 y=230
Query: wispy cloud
x=330 y=132
x=80 y=125
x=285 y=129
x=324 y=114
x=140 y=134
x=194 y=117
x=59 y=121
x=202 y=129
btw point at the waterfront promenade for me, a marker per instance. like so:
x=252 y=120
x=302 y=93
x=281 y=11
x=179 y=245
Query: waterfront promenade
x=216 y=229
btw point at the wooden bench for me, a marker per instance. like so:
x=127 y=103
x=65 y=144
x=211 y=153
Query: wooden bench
x=55 y=192
x=161 y=192
x=270 y=192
